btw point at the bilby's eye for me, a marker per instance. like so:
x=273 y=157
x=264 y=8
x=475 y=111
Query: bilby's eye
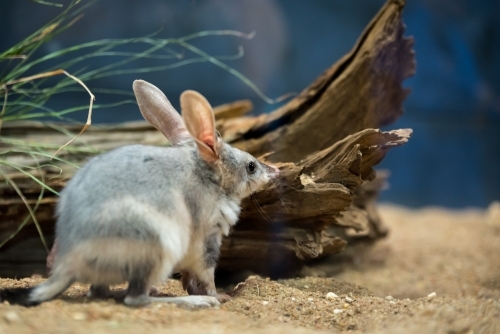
x=251 y=167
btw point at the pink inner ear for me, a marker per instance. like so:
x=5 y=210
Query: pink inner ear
x=208 y=138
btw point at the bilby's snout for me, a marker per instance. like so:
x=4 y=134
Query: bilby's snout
x=271 y=170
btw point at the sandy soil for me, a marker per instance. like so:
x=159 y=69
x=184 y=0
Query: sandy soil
x=381 y=289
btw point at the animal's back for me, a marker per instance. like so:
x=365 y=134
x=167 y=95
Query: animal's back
x=119 y=193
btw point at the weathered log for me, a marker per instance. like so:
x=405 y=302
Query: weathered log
x=292 y=219
x=362 y=90
x=325 y=142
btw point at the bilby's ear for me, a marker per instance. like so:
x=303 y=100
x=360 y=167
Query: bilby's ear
x=200 y=122
x=157 y=110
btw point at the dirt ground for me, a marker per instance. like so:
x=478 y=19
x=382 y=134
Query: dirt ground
x=437 y=272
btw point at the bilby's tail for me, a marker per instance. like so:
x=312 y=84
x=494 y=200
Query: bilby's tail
x=38 y=294
x=19 y=296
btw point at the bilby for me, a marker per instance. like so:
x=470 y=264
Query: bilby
x=139 y=213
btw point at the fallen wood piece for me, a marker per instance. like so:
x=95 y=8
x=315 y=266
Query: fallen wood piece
x=325 y=142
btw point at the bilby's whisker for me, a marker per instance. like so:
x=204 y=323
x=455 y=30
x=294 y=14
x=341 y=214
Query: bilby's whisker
x=259 y=208
x=281 y=199
x=261 y=211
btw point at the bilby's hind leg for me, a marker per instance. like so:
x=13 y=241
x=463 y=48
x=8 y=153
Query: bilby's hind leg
x=139 y=287
x=137 y=296
x=137 y=291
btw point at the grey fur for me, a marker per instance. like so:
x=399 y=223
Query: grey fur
x=212 y=250
x=138 y=282
x=138 y=213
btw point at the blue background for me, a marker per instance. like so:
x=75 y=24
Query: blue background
x=454 y=108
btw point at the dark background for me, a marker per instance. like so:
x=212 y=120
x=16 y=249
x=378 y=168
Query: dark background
x=454 y=109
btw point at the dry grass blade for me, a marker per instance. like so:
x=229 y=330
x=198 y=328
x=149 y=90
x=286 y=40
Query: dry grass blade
x=50 y=74
x=34 y=77
x=89 y=115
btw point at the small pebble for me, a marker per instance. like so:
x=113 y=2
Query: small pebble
x=337 y=311
x=349 y=299
x=389 y=298
x=79 y=316
x=293 y=299
x=310 y=299
x=392 y=302
x=431 y=295
x=265 y=302
x=331 y=295
x=11 y=317
x=306 y=286
x=345 y=305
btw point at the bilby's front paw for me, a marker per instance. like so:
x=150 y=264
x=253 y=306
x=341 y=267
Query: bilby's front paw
x=191 y=285
x=154 y=291
x=222 y=297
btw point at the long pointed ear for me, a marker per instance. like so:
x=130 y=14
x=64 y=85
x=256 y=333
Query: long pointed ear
x=200 y=122
x=157 y=110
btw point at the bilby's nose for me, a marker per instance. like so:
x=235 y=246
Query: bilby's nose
x=273 y=171
x=276 y=171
